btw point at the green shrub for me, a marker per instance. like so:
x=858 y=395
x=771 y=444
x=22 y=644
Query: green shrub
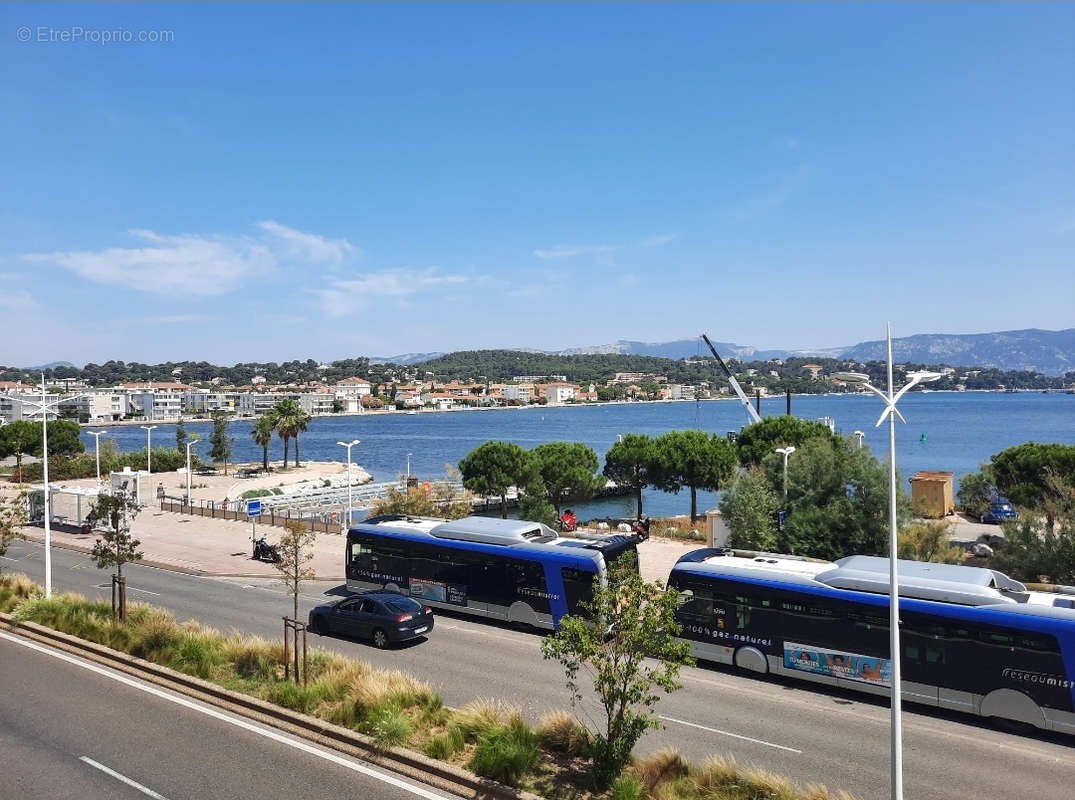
x=506 y=754
x=250 y=493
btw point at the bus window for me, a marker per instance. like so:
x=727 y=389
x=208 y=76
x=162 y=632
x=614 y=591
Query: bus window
x=578 y=589
x=529 y=580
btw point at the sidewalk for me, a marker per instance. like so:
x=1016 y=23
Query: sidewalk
x=205 y=546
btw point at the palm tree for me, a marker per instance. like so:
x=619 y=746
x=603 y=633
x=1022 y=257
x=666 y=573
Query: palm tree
x=302 y=421
x=262 y=434
x=291 y=421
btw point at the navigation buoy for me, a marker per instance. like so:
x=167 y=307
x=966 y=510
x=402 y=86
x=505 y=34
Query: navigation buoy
x=923 y=438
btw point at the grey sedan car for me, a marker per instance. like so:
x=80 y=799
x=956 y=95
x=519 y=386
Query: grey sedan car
x=380 y=616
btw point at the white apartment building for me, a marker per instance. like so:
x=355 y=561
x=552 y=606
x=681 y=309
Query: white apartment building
x=680 y=391
x=556 y=393
x=523 y=393
x=350 y=392
x=156 y=401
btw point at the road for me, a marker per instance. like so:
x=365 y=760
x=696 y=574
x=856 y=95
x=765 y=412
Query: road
x=72 y=729
x=809 y=735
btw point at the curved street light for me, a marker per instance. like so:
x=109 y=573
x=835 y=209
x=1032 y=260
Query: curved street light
x=149 y=448
x=190 y=444
x=348 y=445
x=785 y=452
x=44 y=406
x=890 y=399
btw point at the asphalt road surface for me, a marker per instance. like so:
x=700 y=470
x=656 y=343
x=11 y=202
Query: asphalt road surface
x=810 y=735
x=72 y=729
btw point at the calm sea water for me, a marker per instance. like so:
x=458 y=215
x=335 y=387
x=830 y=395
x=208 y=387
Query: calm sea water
x=955 y=432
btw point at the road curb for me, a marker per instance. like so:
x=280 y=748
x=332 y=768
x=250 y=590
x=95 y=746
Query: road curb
x=405 y=762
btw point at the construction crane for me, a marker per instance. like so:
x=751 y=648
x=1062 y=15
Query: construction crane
x=754 y=417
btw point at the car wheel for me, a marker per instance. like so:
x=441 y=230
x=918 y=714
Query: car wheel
x=380 y=639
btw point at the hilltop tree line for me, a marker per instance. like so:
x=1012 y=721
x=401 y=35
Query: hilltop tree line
x=496 y=366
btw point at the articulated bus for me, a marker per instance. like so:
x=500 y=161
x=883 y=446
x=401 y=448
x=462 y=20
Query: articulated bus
x=512 y=570
x=971 y=639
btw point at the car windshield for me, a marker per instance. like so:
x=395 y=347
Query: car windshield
x=403 y=605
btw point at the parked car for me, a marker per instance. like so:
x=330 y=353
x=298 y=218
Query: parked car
x=1000 y=510
x=383 y=617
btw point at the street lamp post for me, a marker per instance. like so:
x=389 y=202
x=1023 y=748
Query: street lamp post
x=149 y=447
x=44 y=406
x=190 y=444
x=890 y=399
x=859 y=436
x=97 y=452
x=785 y=452
x=348 y=445
x=408 y=468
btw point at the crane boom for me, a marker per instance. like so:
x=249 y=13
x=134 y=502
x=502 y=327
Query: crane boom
x=735 y=384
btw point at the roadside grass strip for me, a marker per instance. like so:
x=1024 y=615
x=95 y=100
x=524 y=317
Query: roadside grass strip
x=395 y=709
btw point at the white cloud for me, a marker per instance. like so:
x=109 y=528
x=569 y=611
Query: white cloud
x=629 y=279
x=187 y=264
x=572 y=250
x=658 y=241
x=344 y=296
x=18 y=300
x=308 y=246
x=196 y=264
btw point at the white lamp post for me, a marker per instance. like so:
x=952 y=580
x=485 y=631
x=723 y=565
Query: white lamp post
x=44 y=406
x=892 y=412
x=149 y=447
x=859 y=436
x=190 y=444
x=785 y=452
x=97 y=451
x=408 y=468
x=348 y=445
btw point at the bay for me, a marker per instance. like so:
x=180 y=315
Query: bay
x=949 y=431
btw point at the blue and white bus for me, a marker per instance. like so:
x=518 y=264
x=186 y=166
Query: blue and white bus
x=512 y=570
x=972 y=639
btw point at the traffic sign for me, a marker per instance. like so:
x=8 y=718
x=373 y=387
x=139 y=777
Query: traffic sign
x=253 y=508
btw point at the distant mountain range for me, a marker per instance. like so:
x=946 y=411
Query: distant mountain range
x=1033 y=350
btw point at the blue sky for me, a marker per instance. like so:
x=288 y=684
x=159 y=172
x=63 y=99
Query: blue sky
x=329 y=181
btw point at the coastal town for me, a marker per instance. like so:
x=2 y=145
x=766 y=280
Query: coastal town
x=168 y=401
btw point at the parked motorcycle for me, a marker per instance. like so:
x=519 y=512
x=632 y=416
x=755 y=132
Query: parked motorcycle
x=263 y=551
x=639 y=527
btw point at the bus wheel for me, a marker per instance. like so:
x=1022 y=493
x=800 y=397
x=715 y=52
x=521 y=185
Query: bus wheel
x=521 y=615
x=753 y=659
x=1008 y=704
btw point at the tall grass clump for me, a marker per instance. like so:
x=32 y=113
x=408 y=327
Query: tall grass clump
x=445 y=746
x=560 y=732
x=660 y=767
x=479 y=716
x=15 y=589
x=251 y=657
x=626 y=787
x=506 y=753
x=389 y=727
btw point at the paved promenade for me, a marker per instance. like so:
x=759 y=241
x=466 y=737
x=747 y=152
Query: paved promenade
x=207 y=546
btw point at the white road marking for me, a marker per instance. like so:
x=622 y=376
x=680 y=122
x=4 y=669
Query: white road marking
x=733 y=735
x=8 y=558
x=239 y=722
x=129 y=589
x=123 y=778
